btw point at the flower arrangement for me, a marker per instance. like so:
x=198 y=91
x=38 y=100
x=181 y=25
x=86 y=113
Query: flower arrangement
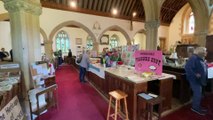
x=114 y=56
x=49 y=65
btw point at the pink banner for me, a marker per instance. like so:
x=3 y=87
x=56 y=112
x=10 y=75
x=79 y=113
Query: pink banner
x=148 y=61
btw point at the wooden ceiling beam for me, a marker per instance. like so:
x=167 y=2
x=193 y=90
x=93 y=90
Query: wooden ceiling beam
x=80 y=3
x=57 y=1
x=80 y=10
x=127 y=9
x=124 y=7
x=85 y=4
x=100 y=4
x=121 y=6
x=90 y=4
x=131 y=8
x=64 y=2
x=95 y=5
x=109 y=4
x=104 y=6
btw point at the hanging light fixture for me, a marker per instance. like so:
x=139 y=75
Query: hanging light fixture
x=73 y=3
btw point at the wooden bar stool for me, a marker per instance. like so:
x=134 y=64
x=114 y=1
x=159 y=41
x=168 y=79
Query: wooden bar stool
x=150 y=103
x=117 y=95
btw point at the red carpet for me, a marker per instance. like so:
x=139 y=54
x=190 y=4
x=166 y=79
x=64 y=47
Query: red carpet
x=79 y=101
x=76 y=101
x=185 y=113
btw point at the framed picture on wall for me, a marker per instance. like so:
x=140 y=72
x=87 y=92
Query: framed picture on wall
x=78 y=41
x=104 y=40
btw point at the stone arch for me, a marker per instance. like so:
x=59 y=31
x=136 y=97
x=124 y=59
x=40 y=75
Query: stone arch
x=152 y=9
x=71 y=23
x=140 y=30
x=201 y=12
x=44 y=35
x=143 y=31
x=185 y=14
x=116 y=27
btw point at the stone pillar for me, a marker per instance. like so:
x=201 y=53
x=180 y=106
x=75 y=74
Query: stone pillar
x=48 y=49
x=151 y=34
x=25 y=34
x=129 y=42
x=95 y=46
x=200 y=38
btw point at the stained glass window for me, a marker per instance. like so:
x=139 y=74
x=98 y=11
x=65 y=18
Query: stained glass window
x=62 y=42
x=191 y=23
x=113 y=41
x=89 y=43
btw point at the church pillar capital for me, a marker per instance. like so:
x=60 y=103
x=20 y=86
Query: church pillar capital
x=152 y=24
x=151 y=34
x=48 y=42
x=28 y=6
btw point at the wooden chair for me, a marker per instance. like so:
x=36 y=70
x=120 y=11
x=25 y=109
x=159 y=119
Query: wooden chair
x=41 y=98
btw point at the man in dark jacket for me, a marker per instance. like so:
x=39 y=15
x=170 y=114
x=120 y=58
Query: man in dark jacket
x=196 y=73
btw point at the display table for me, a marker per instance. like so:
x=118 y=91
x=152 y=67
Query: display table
x=10 y=82
x=125 y=79
x=181 y=88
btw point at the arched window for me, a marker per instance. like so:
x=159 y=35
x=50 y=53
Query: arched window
x=89 y=43
x=191 y=23
x=113 y=42
x=62 y=42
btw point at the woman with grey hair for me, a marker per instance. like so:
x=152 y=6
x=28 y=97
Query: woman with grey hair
x=84 y=65
x=196 y=74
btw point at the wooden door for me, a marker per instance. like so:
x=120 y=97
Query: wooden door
x=162 y=43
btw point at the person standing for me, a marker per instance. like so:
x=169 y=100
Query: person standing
x=70 y=53
x=4 y=52
x=196 y=74
x=60 y=60
x=84 y=65
x=11 y=55
x=69 y=57
x=4 y=55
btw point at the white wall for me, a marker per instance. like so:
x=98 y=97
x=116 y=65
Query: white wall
x=140 y=38
x=5 y=37
x=58 y=16
x=122 y=40
x=175 y=28
x=73 y=33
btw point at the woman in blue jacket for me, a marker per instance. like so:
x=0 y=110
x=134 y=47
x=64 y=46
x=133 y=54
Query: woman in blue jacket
x=196 y=74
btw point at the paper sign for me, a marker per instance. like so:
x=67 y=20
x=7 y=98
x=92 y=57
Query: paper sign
x=12 y=111
x=148 y=61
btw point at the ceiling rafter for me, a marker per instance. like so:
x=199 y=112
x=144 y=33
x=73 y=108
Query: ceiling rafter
x=100 y=4
x=131 y=8
x=104 y=6
x=96 y=4
x=113 y=4
x=125 y=8
x=121 y=6
x=80 y=3
x=90 y=5
x=108 y=8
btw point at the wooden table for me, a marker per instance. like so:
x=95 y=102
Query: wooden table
x=114 y=81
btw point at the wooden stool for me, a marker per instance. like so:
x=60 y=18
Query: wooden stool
x=117 y=95
x=150 y=104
